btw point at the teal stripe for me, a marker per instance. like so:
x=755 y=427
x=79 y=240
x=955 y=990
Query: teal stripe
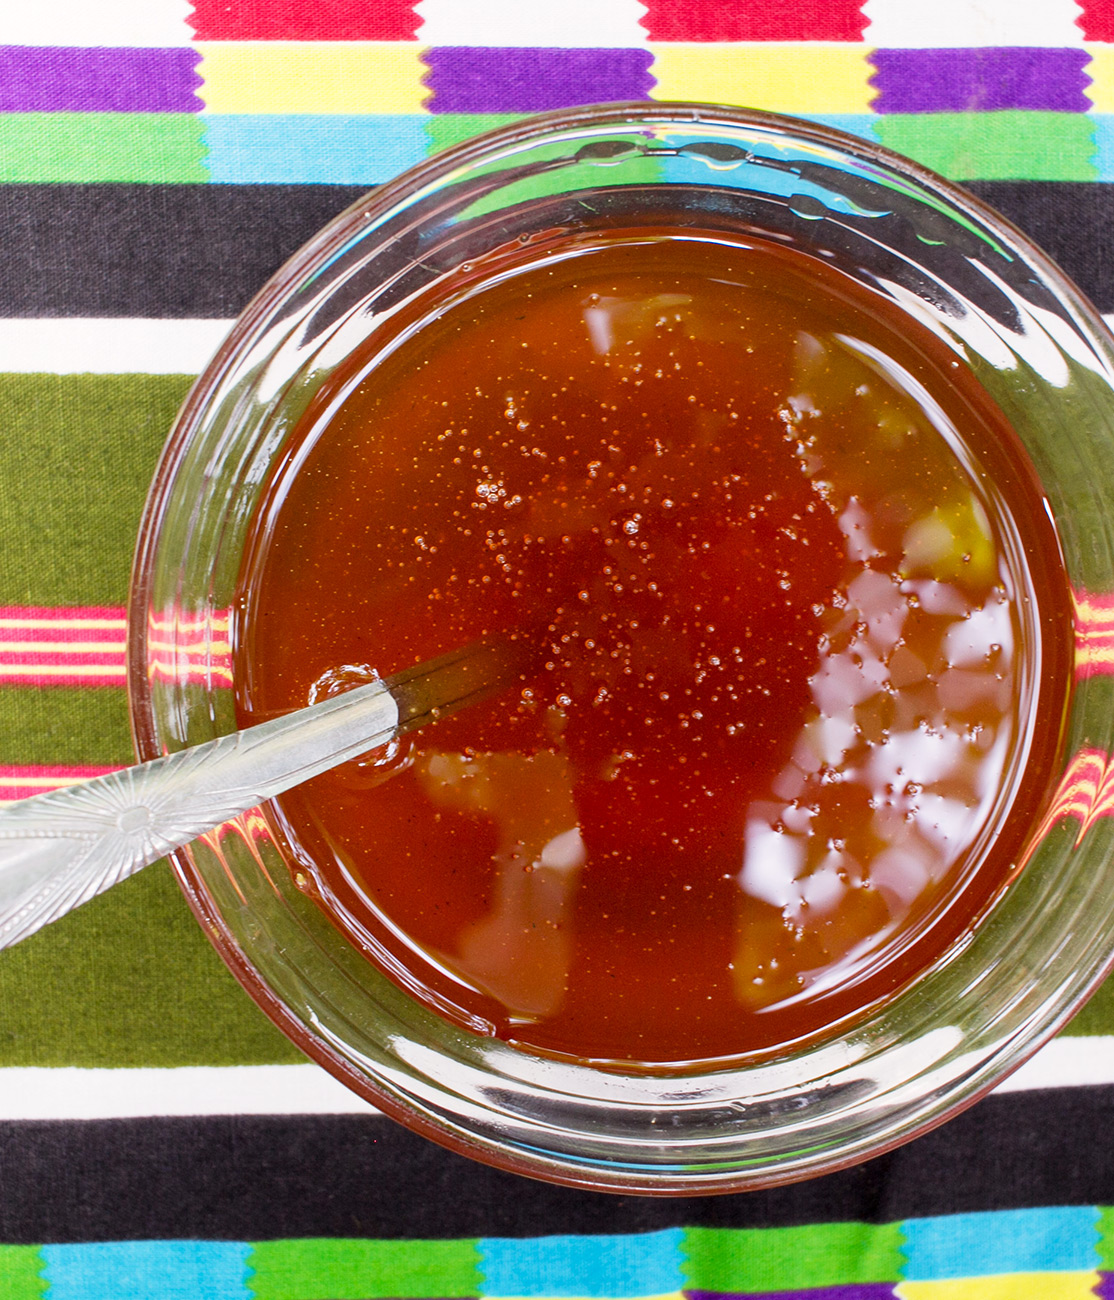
x=312 y=148
x=148 y=1270
x=863 y=125
x=1103 y=125
x=643 y=1264
x=1050 y=1240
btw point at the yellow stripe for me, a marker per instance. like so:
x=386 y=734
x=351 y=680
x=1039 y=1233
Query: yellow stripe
x=188 y=624
x=1101 y=71
x=101 y=624
x=168 y=672
x=63 y=647
x=1005 y=1286
x=802 y=77
x=312 y=77
x=203 y=649
x=62 y=670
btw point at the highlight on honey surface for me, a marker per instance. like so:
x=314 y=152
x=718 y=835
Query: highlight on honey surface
x=804 y=647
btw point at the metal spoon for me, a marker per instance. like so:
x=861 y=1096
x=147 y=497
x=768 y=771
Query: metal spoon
x=59 y=849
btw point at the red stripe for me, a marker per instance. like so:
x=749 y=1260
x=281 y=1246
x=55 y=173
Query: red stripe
x=26 y=782
x=75 y=636
x=1085 y=792
x=54 y=646
x=304 y=20
x=59 y=659
x=44 y=680
x=754 y=20
x=86 y=645
x=1097 y=20
x=53 y=771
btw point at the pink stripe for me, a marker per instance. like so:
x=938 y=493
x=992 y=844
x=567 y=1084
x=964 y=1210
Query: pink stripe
x=26 y=782
x=53 y=771
x=70 y=635
x=187 y=639
x=52 y=659
x=193 y=649
x=60 y=679
x=62 y=613
x=1094 y=634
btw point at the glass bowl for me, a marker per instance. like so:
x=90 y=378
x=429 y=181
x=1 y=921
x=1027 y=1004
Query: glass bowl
x=1041 y=352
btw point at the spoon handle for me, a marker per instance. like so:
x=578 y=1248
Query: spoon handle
x=59 y=849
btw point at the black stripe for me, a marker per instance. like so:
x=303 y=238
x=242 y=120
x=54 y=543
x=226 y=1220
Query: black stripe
x=262 y=1178
x=1073 y=221
x=203 y=250
x=152 y=250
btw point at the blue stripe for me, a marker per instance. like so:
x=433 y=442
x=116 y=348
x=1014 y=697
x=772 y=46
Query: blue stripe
x=1060 y=1239
x=305 y=148
x=860 y=124
x=643 y=1264
x=1104 y=146
x=147 y=1270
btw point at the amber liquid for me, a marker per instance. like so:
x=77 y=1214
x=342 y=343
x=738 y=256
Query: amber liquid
x=806 y=645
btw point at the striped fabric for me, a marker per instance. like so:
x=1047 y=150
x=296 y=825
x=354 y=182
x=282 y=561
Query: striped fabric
x=158 y=1137
x=1055 y=1253
x=332 y=92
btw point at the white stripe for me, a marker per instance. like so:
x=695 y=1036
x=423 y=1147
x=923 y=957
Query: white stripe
x=115 y=346
x=954 y=24
x=70 y=1093
x=62 y=621
x=63 y=670
x=156 y=23
x=40 y=783
x=191 y=1090
x=566 y=24
x=69 y=345
x=63 y=647
x=1066 y=1062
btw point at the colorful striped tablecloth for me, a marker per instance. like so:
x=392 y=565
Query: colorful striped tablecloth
x=158 y=1138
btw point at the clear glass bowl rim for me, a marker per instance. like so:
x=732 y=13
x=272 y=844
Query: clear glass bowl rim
x=315 y=253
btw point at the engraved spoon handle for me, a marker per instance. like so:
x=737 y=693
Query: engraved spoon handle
x=59 y=849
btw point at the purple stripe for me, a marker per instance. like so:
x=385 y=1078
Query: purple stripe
x=850 y=1291
x=75 y=80
x=1105 y=1288
x=942 y=81
x=476 y=79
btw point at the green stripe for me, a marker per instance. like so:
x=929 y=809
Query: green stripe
x=76 y=457
x=1106 y=1238
x=445 y=129
x=786 y=1259
x=344 y=1269
x=149 y=147
x=129 y=979
x=20 y=1273
x=63 y=724
x=1011 y=145
x=1097 y=1017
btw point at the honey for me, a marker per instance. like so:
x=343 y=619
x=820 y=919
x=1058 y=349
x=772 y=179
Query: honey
x=804 y=646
